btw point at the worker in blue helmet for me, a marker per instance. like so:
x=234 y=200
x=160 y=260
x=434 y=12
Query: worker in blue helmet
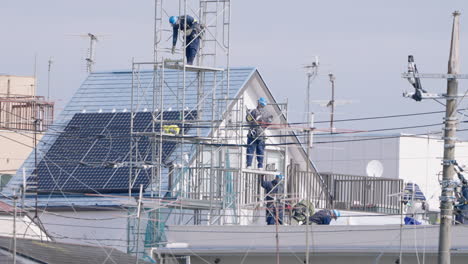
x=258 y=120
x=274 y=191
x=324 y=217
x=192 y=30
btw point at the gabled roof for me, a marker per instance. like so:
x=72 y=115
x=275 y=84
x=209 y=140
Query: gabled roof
x=111 y=92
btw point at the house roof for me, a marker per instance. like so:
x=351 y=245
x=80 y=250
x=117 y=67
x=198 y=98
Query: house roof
x=6 y=208
x=6 y=257
x=112 y=92
x=59 y=253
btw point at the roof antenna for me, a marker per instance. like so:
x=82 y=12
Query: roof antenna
x=48 y=78
x=93 y=38
x=90 y=60
x=311 y=71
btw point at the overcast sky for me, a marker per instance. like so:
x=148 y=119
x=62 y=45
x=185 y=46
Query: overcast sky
x=364 y=43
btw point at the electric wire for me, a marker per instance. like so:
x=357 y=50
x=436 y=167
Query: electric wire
x=383 y=117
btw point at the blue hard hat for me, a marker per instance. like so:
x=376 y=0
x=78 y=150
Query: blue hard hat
x=336 y=213
x=173 y=19
x=280 y=176
x=262 y=101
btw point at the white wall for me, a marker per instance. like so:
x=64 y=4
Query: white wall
x=17 y=85
x=254 y=89
x=324 y=258
x=15 y=149
x=25 y=228
x=106 y=228
x=351 y=154
x=413 y=159
x=420 y=162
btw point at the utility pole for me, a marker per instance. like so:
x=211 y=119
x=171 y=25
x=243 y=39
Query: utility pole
x=331 y=104
x=446 y=199
x=450 y=120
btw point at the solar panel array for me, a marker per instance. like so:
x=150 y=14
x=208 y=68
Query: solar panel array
x=85 y=155
x=111 y=91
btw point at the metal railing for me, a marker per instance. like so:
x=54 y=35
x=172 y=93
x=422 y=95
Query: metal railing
x=20 y=112
x=346 y=192
x=227 y=185
x=368 y=194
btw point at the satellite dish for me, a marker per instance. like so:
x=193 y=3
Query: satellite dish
x=374 y=168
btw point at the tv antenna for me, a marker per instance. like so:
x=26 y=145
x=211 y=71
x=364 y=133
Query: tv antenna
x=93 y=39
x=311 y=71
x=90 y=59
x=48 y=77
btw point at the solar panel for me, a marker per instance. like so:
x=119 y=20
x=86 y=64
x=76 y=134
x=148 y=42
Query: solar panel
x=83 y=157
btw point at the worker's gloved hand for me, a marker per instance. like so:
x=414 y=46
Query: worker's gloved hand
x=173 y=50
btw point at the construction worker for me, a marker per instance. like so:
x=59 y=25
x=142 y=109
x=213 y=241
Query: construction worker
x=192 y=32
x=258 y=120
x=324 y=217
x=273 y=192
x=461 y=194
x=462 y=205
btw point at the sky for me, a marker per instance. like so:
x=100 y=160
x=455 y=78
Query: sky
x=364 y=43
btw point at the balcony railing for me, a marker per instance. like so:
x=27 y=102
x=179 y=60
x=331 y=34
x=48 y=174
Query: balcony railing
x=26 y=113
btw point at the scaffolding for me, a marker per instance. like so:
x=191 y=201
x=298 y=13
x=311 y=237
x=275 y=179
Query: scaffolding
x=199 y=174
x=203 y=181
x=19 y=112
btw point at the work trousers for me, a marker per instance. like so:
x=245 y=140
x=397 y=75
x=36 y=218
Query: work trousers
x=257 y=146
x=192 y=48
x=271 y=212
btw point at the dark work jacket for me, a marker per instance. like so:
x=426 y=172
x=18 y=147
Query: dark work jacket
x=191 y=22
x=322 y=217
x=259 y=119
x=272 y=187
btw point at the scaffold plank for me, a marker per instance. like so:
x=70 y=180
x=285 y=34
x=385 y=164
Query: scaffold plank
x=191 y=68
x=261 y=172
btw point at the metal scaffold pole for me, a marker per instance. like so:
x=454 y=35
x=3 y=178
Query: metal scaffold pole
x=190 y=176
x=332 y=101
x=308 y=146
x=15 y=198
x=446 y=199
